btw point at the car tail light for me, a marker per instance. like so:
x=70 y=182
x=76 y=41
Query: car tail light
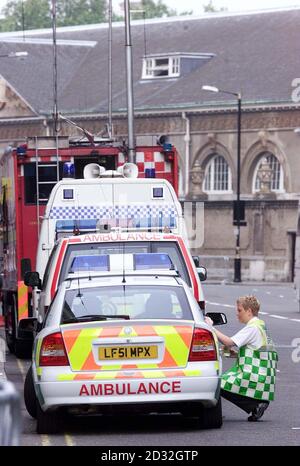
x=203 y=346
x=53 y=352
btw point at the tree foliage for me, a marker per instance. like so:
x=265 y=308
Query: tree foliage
x=36 y=14
x=152 y=9
x=33 y=13
x=73 y=12
x=210 y=8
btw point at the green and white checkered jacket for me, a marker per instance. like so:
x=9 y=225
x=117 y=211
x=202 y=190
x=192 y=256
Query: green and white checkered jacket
x=254 y=372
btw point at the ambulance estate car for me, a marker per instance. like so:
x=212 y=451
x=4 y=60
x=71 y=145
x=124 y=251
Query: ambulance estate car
x=136 y=339
x=116 y=242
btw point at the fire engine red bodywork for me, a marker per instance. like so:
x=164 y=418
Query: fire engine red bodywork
x=19 y=221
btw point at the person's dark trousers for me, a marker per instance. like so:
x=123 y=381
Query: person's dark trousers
x=244 y=402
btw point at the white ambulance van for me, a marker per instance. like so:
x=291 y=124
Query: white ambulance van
x=101 y=204
x=66 y=249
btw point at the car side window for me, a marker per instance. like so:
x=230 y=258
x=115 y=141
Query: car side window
x=175 y=254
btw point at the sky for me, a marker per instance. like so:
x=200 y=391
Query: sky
x=231 y=5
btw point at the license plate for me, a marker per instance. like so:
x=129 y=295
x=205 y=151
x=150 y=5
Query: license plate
x=127 y=352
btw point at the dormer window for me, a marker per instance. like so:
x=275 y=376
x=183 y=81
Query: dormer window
x=161 y=67
x=172 y=65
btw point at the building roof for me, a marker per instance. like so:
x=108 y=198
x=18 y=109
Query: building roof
x=255 y=53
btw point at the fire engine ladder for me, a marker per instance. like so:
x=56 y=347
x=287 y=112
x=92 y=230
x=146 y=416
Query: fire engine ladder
x=39 y=184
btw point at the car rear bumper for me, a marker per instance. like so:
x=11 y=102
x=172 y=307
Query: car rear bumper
x=104 y=392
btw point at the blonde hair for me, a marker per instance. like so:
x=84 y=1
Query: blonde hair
x=249 y=302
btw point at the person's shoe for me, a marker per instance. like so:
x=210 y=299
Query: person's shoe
x=258 y=412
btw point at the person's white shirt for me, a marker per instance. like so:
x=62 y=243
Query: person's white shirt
x=249 y=335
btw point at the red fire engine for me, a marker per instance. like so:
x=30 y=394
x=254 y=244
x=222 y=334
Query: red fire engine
x=28 y=174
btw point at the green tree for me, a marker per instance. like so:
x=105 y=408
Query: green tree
x=73 y=12
x=151 y=9
x=210 y=8
x=36 y=14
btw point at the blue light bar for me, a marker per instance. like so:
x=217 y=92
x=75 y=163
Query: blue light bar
x=167 y=147
x=68 y=170
x=21 y=150
x=71 y=225
x=152 y=261
x=150 y=173
x=90 y=264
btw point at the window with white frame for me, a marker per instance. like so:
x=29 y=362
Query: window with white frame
x=277 y=172
x=217 y=176
x=161 y=67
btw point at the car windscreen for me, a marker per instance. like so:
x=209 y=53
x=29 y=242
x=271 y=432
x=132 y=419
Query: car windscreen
x=170 y=248
x=126 y=302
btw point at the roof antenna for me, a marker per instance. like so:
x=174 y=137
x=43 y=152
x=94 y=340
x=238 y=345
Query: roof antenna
x=145 y=38
x=23 y=20
x=55 y=113
x=79 y=294
x=90 y=276
x=110 y=128
x=124 y=279
x=129 y=85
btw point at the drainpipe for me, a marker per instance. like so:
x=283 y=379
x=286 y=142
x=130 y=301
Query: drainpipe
x=187 y=140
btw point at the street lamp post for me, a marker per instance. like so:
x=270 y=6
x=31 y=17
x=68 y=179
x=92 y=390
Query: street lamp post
x=237 y=258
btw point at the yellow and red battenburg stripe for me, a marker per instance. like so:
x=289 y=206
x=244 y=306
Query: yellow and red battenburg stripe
x=79 y=346
x=22 y=300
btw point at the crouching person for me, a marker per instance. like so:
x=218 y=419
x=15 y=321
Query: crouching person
x=250 y=383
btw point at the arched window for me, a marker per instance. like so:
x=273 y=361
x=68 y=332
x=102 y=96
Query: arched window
x=277 y=172
x=217 y=176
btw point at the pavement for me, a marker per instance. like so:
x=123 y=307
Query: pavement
x=246 y=283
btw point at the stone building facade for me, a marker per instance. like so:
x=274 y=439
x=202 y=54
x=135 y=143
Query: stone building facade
x=203 y=129
x=269 y=238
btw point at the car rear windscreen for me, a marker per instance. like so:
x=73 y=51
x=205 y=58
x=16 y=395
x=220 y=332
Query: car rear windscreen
x=131 y=302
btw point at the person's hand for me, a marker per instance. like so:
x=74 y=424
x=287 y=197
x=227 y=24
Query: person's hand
x=228 y=352
x=208 y=321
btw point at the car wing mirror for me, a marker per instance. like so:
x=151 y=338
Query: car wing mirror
x=32 y=279
x=27 y=327
x=25 y=266
x=218 y=318
x=202 y=273
x=196 y=260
